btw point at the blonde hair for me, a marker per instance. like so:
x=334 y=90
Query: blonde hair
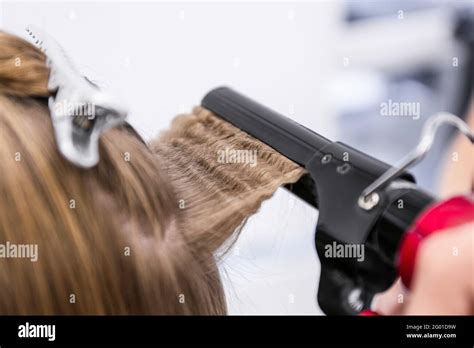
x=125 y=237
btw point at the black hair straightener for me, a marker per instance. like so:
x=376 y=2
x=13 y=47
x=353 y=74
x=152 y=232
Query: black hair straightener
x=361 y=200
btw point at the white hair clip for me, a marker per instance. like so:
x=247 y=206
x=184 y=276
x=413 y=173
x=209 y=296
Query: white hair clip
x=80 y=112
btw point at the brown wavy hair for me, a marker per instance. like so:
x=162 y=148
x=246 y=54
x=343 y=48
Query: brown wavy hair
x=141 y=232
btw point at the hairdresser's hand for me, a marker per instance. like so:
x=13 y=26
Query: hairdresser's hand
x=443 y=282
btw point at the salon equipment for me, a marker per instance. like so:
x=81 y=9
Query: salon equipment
x=362 y=201
x=80 y=111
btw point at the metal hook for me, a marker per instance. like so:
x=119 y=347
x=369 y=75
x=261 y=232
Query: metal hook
x=370 y=198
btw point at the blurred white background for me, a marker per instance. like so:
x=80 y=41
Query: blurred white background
x=163 y=57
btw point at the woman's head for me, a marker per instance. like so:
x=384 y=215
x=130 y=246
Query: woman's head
x=137 y=234
x=108 y=239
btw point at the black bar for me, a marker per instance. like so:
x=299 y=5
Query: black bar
x=289 y=330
